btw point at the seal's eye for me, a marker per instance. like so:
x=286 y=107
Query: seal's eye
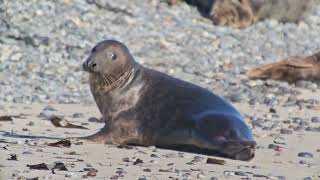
x=113 y=56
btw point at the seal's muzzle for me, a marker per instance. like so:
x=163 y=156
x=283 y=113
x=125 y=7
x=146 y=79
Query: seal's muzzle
x=89 y=65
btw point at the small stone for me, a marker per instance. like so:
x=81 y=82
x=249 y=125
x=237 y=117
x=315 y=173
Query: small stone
x=49 y=108
x=147 y=170
x=240 y=173
x=30 y=124
x=170 y=164
x=142 y=178
x=27 y=152
x=70 y=175
x=166 y=170
x=126 y=159
x=299 y=128
x=273 y=146
x=201 y=175
x=307 y=178
x=272 y=110
x=214 y=178
x=303 y=162
x=13 y=157
x=305 y=155
x=154 y=156
x=315 y=119
x=95 y=120
x=92 y=173
x=281 y=177
x=286 y=131
x=78 y=115
x=22 y=178
x=229 y=173
x=137 y=161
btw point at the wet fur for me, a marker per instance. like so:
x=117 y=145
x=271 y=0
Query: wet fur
x=243 y=13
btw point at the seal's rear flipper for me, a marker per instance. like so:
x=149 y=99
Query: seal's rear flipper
x=191 y=140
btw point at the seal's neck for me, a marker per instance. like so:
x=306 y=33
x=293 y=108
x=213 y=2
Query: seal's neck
x=107 y=83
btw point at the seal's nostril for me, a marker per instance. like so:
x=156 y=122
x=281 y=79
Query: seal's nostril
x=93 y=65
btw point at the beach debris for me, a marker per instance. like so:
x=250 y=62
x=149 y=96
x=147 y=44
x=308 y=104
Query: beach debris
x=137 y=161
x=41 y=166
x=60 y=122
x=91 y=172
x=55 y=166
x=125 y=147
x=6 y=118
x=61 y=143
x=147 y=170
x=13 y=157
x=216 y=161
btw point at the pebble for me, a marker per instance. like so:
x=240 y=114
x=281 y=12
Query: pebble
x=201 y=175
x=70 y=175
x=305 y=155
x=240 y=173
x=95 y=120
x=286 y=131
x=229 y=173
x=147 y=170
x=30 y=124
x=307 y=178
x=142 y=178
x=92 y=173
x=315 y=119
x=78 y=115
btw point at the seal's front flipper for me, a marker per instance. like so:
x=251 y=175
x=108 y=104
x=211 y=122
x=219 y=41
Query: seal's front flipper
x=103 y=136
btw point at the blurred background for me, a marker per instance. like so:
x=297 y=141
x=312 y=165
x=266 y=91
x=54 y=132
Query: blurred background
x=43 y=44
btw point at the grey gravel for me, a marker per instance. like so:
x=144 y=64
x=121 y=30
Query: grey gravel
x=43 y=44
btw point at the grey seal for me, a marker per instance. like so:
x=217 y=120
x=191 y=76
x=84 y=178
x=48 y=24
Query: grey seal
x=145 y=107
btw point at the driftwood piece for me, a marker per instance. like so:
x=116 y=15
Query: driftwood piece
x=291 y=69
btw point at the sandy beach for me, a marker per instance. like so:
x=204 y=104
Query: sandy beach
x=279 y=161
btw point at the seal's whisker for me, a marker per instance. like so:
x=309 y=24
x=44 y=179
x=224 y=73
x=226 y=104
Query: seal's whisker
x=108 y=81
x=112 y=79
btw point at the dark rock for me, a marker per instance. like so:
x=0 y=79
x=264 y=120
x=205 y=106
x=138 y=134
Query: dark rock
x=315 y=119
x=285 y=131
x=305 y=155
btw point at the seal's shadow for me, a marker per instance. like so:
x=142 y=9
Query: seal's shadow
x=192 y=149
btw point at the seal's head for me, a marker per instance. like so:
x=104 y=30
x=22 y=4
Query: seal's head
x=109 y=58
